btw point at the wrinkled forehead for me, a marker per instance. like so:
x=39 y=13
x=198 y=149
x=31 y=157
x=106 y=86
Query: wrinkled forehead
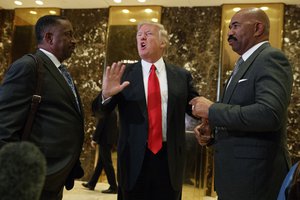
x=148 y=27
x=243 y=16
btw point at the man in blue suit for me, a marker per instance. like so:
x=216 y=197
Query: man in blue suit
x=249 y=122
x=144 y=174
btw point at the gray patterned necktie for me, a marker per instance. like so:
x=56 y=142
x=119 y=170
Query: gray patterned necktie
x=70 y=82
x=235 y=70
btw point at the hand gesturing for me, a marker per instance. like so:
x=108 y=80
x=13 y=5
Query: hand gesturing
x=112 y=80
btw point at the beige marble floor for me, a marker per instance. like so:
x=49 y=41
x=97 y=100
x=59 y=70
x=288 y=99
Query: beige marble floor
x=80 y=193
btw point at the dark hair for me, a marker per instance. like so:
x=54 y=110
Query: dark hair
x=45 y=22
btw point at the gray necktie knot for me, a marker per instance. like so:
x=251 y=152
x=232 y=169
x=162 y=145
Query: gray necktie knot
x=235 y=70
x=237 y=65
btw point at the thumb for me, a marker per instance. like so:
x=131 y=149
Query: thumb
x=124 y=84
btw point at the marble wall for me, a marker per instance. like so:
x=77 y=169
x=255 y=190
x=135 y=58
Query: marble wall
x=194 y=44
x=86 y=66
x=291 y=47
x=6 y=32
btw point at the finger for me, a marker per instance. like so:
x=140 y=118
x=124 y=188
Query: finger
x=122 y=69
x=197 y=129
x=195 y=113
x=113 y=68
x=124 y=84
x=118 y=67
x=107 y=71
x=193 y=101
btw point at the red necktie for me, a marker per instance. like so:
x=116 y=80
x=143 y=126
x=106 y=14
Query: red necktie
x=154 y=113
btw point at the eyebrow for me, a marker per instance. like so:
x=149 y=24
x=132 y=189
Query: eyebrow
x=234 y=23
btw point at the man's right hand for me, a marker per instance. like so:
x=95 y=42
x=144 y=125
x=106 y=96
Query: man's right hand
x=203 y=133
x=112 y=80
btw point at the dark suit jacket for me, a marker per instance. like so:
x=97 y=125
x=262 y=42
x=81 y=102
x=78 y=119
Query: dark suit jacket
x=58 y=127
x=134 y=123
x=107 y=129
x=251 y=157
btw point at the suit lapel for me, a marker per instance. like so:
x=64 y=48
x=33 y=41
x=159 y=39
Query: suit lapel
x=137 y=91
x=242 y=70
x=172 y=80
x=48 y=64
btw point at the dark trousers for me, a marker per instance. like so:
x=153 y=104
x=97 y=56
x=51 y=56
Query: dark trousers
x=104 y=162
x=54 y=183
x=154 y=181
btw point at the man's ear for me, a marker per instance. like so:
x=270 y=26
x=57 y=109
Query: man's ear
x=162 y=44
x=259 y=29
x=48 y=37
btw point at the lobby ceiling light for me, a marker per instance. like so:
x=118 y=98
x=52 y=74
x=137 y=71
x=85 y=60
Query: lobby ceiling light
x=19 y=3
x=148 y=10
x=142 y=1
x=154 y=19
x=132 y=20
x=52 y=12
x=33 y=12
x=236 y=9
x=39 y=3
x=125 y=11
x=118 y=1
x=264 y=8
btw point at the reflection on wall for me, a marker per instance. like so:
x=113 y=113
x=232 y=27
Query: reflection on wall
x=85 y=65
x=23 y=41
x=121 y=44
x=6 y=32
x=195 y=38
x=24 y=34
x=195 y=43
x=291 y=47
x=131 y=15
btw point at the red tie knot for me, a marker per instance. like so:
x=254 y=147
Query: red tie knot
x=153 y=68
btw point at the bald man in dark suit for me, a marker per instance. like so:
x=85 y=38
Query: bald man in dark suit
x=249 y=122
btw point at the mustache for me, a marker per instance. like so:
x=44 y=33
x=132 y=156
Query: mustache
x=231 y=37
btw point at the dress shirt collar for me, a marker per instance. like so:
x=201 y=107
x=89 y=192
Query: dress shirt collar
x=158 y=64
x=250 y=51
x=51 y=57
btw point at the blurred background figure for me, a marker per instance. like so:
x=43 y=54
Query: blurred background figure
x=22 y=171
x=105 y=136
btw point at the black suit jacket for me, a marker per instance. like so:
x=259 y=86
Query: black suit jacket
x=251 y=157
x=106 y=129
x=58 y=126
x=134 y=123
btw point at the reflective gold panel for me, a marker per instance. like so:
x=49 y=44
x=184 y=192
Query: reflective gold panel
x=133 y=15
x=23 y=35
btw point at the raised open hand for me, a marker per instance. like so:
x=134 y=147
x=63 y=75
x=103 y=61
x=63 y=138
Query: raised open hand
x=112 y=80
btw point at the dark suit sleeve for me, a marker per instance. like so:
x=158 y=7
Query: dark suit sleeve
x=192 y=93
x=261 y=104
x=15 y=97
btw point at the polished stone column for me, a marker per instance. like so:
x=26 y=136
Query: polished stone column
x=291 y=47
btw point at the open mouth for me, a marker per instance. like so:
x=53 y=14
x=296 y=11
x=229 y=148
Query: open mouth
x=143 y=45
